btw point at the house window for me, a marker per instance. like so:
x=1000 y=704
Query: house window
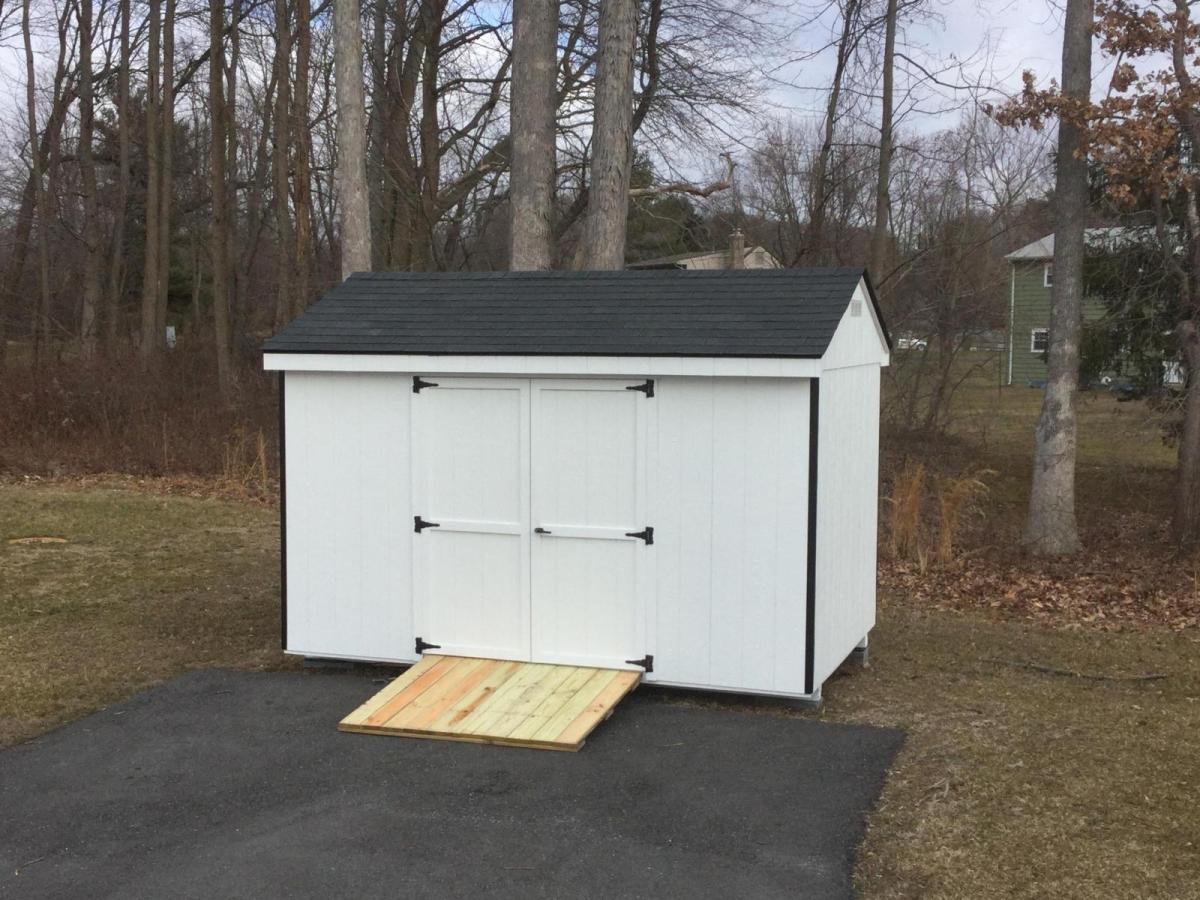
x=1039 y=340
x=1048 y=275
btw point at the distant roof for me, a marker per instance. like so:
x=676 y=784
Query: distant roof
x=725 y=312
x=1095 y=238
x=679 y=260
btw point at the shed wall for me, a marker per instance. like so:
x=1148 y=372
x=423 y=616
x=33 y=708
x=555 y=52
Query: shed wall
x=349 y=522
x=728 y=505
x=847 y=513
x=726 y=493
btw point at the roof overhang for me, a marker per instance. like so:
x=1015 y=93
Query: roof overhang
x=632 y=366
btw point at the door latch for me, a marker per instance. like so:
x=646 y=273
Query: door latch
x=646 y=534
x=541 y=530
x=419 y=524
x=646 y=662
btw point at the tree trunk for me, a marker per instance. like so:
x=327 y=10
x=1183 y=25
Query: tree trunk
x=236 y=303
x=1051 y=527
x=1187 y=488
x=819 y=182
x=41 y=317
x=116 y=278
x=878 y=262
x=87 y=174
x=166 y=180
x=430 y=178
x=612 y=139
x=351 y=139
x=151 y=340
x=220 y=197
x=279 y=166
x=379 y=102
x=29 y=210
x=301 y=141
x=534 y=91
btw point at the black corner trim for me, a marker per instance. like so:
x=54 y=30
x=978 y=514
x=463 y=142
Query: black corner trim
x=646 y=387
x=810 y=600
x=419 y=382
x=646 y=534
x=646 y=662
x=420 y=524
x=422 y=646
x=282 y=521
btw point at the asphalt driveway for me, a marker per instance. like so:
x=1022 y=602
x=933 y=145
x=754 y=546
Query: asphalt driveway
x=227 y=784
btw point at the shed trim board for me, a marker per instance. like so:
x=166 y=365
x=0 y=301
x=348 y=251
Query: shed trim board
x=561 y=366
x=810 y=579
x=722 y=460
x=283 y=565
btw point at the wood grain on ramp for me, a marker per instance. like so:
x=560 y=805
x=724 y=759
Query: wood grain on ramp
x=494 y=701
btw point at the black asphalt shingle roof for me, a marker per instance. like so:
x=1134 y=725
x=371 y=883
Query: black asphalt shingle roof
x=731 y=312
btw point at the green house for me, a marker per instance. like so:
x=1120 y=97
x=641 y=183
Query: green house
x=1032 y=274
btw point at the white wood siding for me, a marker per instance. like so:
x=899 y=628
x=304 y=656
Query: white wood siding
x=726 y=473
x=349 y=521
x=729 y=510
x=858 y=339
x=570 y=366
x=847 y=512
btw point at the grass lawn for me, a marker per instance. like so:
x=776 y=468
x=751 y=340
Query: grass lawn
x=145 y=587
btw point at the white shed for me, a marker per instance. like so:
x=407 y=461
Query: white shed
x=674 y=471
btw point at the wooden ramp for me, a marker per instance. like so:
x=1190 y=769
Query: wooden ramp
x=493 y=701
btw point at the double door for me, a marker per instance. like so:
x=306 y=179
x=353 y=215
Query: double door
x=530 y=536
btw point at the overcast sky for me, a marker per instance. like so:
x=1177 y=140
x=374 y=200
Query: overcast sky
x=994 y=39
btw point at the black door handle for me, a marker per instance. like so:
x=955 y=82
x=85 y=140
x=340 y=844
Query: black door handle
x=540 y=530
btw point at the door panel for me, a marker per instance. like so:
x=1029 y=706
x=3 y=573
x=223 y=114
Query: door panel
x=471 y=466
x=587 y=496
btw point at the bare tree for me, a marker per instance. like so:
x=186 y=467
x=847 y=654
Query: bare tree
x=612 y=139
x=1051 y=527
x=302 y=147
x=881 y=233
x=151 y=338
x=280 y=164
x=219 y=237
x=41 y=326
x=116 y=271
x=534 y=92
x=352 y=137
x=166 y=180
x=87 y=172
x=814 y=242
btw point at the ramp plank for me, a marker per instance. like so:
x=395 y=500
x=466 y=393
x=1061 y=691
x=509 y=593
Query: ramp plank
x=550 y=707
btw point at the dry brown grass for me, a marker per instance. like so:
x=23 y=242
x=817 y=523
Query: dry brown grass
x=914 y=532
x=143 y=587
x=1019 y=783
x=906 y=506
x=114 y=415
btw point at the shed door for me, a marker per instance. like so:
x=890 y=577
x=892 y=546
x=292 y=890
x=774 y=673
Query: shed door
x=471 y=566
x=587 y=499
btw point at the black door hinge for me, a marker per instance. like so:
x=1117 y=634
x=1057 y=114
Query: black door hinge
x=419 y=382
x=646 y=534
x=422 y=646
x=419 y=524
x=646 y=662
x=646 y=387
